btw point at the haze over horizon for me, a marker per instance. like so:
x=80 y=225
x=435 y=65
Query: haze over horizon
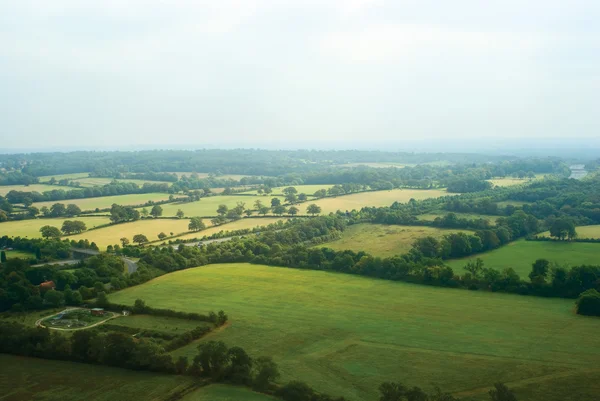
x=313 y=74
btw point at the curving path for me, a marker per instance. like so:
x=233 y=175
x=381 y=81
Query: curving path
x=38 y=322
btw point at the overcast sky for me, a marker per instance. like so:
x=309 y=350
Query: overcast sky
x=309 y=72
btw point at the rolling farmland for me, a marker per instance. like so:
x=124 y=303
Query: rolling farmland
x=31 y=228
x=104 y=202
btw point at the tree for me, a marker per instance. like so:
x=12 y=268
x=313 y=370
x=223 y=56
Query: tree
x=162 y=236
x=293 y=210
x=321 y=193
x=313 y=209
x=54 y=298
x=72 y=210
x=240 y=365
x=475 y=268
x=50 y=232
x=501 y=393
x=264 y=210
x=265 y=373
x=2 y=257
x=73 y=226
x=290 y=191
x=222 y=210
x=145 y=212
x=258 y=204
x=539 y=271
x=45 y=211
x=196 y=224
x=57 y=210
x=101 y=299
x=124 y=242
x=302 y=197
x=248 y=212
x=275 y=202
x=180 y=215
x=140 y=238
x=181 y=366
x=563 y=228
x=156 y=211
x=296 y=391
x=291 y=198
x=588 y=303
x=212 y=358
x=279 y=210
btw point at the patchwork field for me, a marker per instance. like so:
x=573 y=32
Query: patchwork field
x=4 y=189
x=39 y=379
x=107 y=201
x=208 y=206
x=31 y=228
x=382 y=240
x=345 y=334
x=376 y=198
x=149 y=227
x=233 y=226
x=582 y=232
x=305 y=189
x=520 y=255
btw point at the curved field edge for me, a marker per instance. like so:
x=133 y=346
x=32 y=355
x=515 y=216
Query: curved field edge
x=344 y=335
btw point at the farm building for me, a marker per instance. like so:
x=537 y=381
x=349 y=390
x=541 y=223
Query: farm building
x=47 y=285
x=98 y=312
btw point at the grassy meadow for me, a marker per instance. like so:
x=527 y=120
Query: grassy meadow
x=344 y=334
x=582 y=232
x=376 y=198
x=235 y=177
x=103 y=202
x=233 y=226
x=58 y=177
x=510 y=181
x=383 y=240
x=19 y=255
x=302 y=189
x=222 y=392
x=164 y=324
x=521 y=254
x=470 y=216
x=24 y=378
x=100 y=181
x=149 y=227
x=208 y=206
x=4 y=189
x=31 y=228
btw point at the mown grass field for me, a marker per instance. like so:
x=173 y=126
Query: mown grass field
x=19 y=255
x=344 y=334
x=382 y=240
x=376 y=198
x=222 y=392
x=31 y=228
x=149 y=227
x=4 y=189
x=103 y=202
x=302 y=189
x=233 y=226
x=160 y=323
x=521 y=254
x=470 y=216
x=583 y=232
x=39 y=379
x=509 y=181
x=208 y=206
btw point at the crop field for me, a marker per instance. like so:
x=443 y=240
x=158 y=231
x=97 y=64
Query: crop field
x=520 y=255
x=4 y=189
x=582 y=232
x=382 y=240
x=39 y=379
x=149 y=227
x=208 y=206
x=470 y=216
x=302 y=189
x=233 y=226
x=104 y=202
x=222 y=392
x=376 y=198
x=160 y=323
x=31 y=228
x=345 y=334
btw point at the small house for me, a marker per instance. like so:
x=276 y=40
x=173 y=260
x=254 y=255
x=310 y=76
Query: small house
x=98 y=312
x=48 y=285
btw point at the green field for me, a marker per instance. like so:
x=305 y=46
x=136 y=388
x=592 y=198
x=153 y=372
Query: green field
x=4 y=189
x=233 y=226
x=160 y=323
x=509 y=181
x=470 y=216
x=345 y=334
x=302 y=189
x=208 y=206
x=19 y=255
x=376 y=198
x=149 y=227
x=100 y=181
x=107 y=201
x=31 y=228
x=235 y=177
x=59 y=177
x=221 y=392
x=582 y=232
x=382 y=240
x=521 y=254
x=39 y=379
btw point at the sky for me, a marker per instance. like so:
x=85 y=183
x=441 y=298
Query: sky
x=306 y=73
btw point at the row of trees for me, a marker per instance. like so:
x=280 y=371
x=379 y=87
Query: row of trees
x=68 y=227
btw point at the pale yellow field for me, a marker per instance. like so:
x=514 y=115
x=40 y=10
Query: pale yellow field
x=208 y=206
x=31 y=228
x=582 y=232
x=509 y=181
x=233 y=226
x=377 y=199
x=149 y=227
x=306 y=189
x=107 y=201
x=4 y=189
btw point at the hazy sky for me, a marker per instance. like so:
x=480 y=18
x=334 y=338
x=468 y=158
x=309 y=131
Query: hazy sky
x=243 y=72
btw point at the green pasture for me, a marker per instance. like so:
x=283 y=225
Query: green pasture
x=241 y=224
x=58 y=177
x=31 y=228
x=222 y=392
x=24 y=378
x=521 y=254
x=208 y=206
x=344 y=334
x=582 y=232
x=164 y=324
x=19 y=255
x=100 y=181
x=383 y=240
x=470 y=216
x=4 y=189
x=235 y=177
x=302 y=189
x=103 y=202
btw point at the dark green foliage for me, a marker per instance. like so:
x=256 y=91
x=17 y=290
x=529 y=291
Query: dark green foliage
x=588 y=303
x=502 y=393
x=2 y=256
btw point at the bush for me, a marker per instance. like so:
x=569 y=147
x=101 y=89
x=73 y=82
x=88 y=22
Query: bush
x=588 y=303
